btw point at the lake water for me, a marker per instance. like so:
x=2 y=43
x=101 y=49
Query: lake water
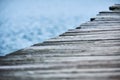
x=26 y=22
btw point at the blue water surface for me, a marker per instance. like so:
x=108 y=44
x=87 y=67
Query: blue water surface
x=26 y=22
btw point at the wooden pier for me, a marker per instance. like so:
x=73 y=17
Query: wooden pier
x=89 y=52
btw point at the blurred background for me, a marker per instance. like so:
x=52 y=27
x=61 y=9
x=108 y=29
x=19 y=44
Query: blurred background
x=27 y=22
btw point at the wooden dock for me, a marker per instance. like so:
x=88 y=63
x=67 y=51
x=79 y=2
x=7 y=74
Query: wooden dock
x=89 y=52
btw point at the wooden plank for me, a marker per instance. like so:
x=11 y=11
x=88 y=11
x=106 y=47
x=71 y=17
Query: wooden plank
x=90 y=32
x=87 y=37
